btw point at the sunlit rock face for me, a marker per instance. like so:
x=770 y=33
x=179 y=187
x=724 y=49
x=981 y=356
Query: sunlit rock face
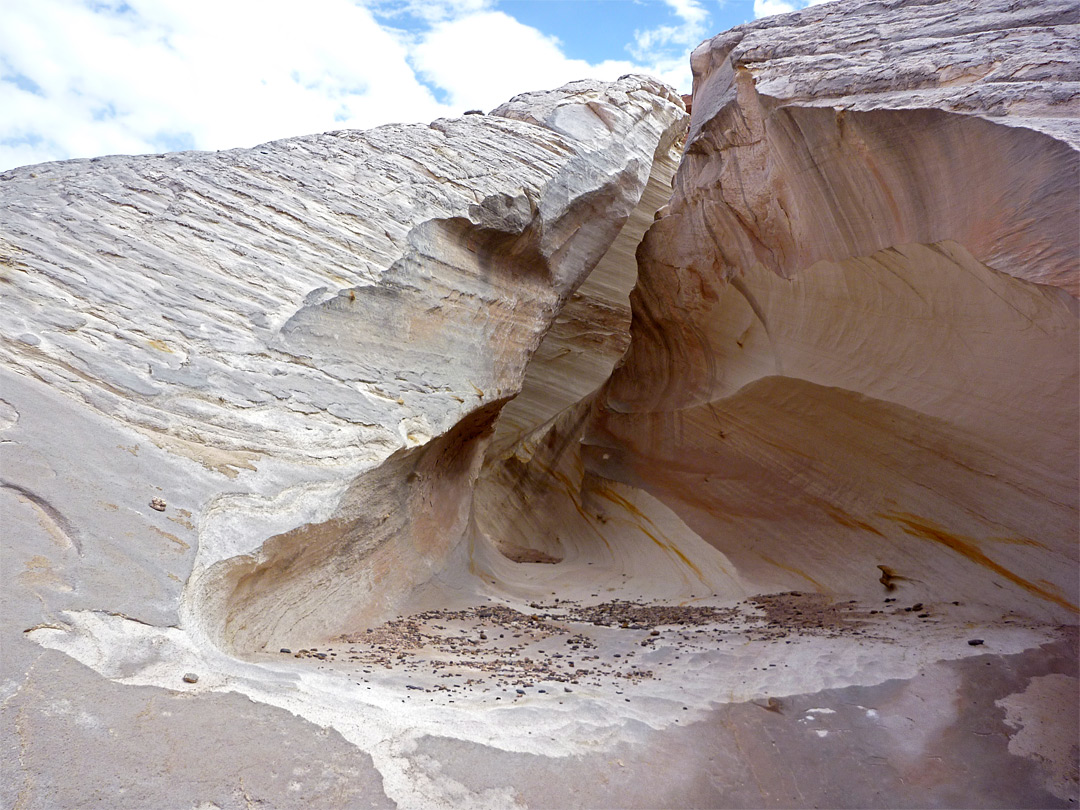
x=581 y=454
x=342 y=316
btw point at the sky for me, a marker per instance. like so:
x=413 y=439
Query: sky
x=83 y=78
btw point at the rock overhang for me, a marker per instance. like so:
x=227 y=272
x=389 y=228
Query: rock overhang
x=764 y=451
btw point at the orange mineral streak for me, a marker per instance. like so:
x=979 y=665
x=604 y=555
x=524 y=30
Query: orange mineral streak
x=968 y=547
x=572 y=492
x=792 y=570
x=851 y=522
x=616 y=498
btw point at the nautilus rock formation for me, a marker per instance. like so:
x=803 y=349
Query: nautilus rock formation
x=585 y=453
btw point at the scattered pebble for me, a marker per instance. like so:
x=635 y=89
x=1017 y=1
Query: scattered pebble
x=449 y=651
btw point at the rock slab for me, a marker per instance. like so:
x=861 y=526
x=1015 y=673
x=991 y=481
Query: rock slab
x=578 y=454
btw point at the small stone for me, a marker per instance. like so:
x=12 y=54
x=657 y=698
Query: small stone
x=157 y=504
x=191 y=677
x=285 y=650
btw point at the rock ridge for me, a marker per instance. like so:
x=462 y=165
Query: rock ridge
x=582 y=453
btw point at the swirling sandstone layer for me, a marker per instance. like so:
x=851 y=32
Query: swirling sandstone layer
x=325 y=306
x=466 y=465
x=855 y=330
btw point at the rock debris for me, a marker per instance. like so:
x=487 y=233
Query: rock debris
x=497 y=647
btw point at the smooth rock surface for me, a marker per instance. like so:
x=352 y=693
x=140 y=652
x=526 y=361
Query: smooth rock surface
x=855 y=322
x=574 y=455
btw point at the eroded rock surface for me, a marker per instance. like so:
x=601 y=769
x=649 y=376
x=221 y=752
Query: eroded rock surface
x=855 y=319
x=576 y=455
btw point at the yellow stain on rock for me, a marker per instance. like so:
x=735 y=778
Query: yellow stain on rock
x=968 y=547
x=844 y=519
x=618 y=499
x=792 y=570
x=172 y=538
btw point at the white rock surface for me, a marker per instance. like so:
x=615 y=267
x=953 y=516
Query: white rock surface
x=290 y=316
x=332 y=426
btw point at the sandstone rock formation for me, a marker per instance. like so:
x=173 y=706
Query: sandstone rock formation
x=858 y=315
x=579 y=454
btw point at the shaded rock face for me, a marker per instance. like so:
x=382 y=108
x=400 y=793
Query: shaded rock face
x=857 y=316
x=579 y=454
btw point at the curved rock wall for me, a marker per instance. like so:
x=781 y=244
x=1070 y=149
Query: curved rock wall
x=572 y=455
x=242 y=311
x=855 y=330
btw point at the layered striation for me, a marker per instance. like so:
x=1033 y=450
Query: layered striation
x=352 y=310
x=578 y=454
x=855 y=326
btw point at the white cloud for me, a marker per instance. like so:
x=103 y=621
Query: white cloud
x=766 y=8
x=147 y=75
x=689 y=33
x=667 y=47
x=430 y=10
x=80 y=78
x=483 y=59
